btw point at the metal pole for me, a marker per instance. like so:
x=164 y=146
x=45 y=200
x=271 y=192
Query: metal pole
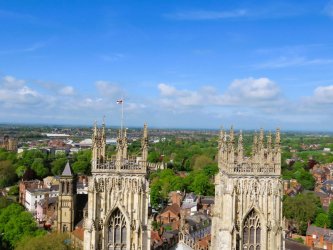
x=122 y=117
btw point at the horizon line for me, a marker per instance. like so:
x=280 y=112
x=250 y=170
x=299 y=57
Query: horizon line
x=157 y=127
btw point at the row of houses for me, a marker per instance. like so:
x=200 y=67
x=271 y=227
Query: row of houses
x=187 y=218
x=40 y=197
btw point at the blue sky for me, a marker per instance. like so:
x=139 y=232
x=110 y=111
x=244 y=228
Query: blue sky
x=194 y=64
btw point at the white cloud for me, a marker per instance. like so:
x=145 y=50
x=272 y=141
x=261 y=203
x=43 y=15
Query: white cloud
x=166 y=90
x=250 y=102
x=67 y=90
x=253 y=89
x=241 y=92
x=20 y=97
x=15 y=93
x=106 y=88
x=284 y=62
x=207 y=15
x=11 y=82
x=324 y=94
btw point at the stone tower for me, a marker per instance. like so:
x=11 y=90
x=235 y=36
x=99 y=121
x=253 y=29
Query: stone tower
x=66 y=200
x=118 y=197
x=248 y=195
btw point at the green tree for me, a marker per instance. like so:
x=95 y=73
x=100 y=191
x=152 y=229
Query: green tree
x=7 y=173
x=301 y=209
x=330 y=215
x=211 y=169
x=4 y=202
x=16 y=223
x=39 y=168
x=322 y=220
x=29 y=156
x=82 y=161
x=201 y=184
x=153 y=157
x=14 y=190
x=81 y=167
x=20 y=170
x=58 y=165
x=54 y=241
x=201 y=161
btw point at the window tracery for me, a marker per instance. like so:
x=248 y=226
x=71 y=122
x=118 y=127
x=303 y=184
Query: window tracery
x=117 y=231
x=251 y=232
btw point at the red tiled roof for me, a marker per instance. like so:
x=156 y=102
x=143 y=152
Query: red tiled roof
x=174 y=208
x=79 y=233
x=155 y=236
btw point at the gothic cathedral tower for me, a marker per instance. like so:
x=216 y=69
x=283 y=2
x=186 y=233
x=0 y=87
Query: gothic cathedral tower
x=248 y=195
x=66 y=200
x=118 y=197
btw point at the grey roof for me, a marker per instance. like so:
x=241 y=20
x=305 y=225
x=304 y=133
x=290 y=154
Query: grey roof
x=170 y=234
x=328 y=182
x=50 y=201
x=197 y=219
x=208 y=200
x=327 y=233
x=188 y=205
x=190 y=196
x=67 y=170
x=293 y=245
x=322 y=194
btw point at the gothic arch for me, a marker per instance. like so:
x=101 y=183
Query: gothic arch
x=252 y=230
x=117 y=230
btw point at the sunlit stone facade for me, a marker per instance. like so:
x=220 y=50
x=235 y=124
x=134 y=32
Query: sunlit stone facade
x=248 y=195
x=118 y=197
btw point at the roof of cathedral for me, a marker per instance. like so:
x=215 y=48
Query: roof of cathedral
x=67 y=170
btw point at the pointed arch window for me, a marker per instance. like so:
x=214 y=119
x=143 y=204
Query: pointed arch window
x=251 y=232
x=117 y=231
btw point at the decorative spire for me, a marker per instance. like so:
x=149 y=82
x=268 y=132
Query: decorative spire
x=255 y=138
x=95 y=128
x=119 y=141
x=261 y=138
x=269 y=140
x=145 y=131
x=255 y=144
x=119 y=136
x=67 y=170
x=277 y=157
x=221 y=138
x=103 y=127
x=240 y=147
x=232 y=135
x=125 y=132
x=240 y=138
x=277 y=137
x=124 y=144
x=144 y=143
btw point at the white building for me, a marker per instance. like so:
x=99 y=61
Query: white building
x=33 y=196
